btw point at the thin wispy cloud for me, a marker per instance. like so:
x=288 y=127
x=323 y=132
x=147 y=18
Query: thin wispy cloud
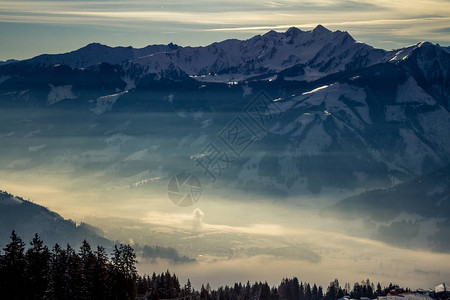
x=213 y=13
x=380 y=23
x=345 y=23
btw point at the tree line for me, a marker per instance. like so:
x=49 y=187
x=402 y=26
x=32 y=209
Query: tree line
x=167 y=286
x=37 y=272
x=63 y=273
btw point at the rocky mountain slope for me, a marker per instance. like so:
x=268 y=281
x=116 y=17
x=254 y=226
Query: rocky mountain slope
x=350 y=116
x=28 y=218
x=414 y=210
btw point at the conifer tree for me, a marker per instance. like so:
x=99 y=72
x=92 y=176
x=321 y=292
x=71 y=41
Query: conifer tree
x=101 y=274
x=88 y=261
x=308 y=292
x=314 y=292
x=38 y=269
x=75 y=274
x=320 y=292
x=14 y=268
x=59 y=285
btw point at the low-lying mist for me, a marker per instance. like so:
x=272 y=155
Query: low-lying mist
x=117 y=179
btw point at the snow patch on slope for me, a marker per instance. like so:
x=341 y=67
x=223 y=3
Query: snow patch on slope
x=395 y=113
x=131 y=84
x=334 y=97
x=315 y=141
x=415 y=152
x=105 y=103
x=402 y=54
x=59 y=93
x=410 y=92
x=3 y=78
x=436 y=126
x=316 y=89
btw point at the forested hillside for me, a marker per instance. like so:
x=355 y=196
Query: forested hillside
x=36 y=272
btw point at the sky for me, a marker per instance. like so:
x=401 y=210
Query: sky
x=29 y=28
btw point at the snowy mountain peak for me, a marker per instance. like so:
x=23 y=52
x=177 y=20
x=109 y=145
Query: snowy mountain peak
x=320 y=30
x=94 y=45
x=271 y=33
x=95 y=53
x=342 y=101
x=294 y=54
x=293 y=31
x=425 y=44
x=319 y=52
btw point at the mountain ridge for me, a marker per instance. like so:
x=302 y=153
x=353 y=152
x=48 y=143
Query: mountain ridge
x=342 y=101
x=308 y=55
x=27 y=218
x=407 y=208
x=320 y=50
x=313 y=54
x=94 y=53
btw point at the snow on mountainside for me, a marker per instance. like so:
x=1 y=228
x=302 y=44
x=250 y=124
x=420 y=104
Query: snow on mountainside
x=317 y=52
x=105 y=103
x=353 y=116
x=371 y=130
x=430 y=65
x=59 y=93
x=292 y=55
x=96 y=53
x=403 y=53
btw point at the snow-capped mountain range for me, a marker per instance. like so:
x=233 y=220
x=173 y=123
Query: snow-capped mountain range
x=351 y=119
x=95 y=53
x=305 y=55
x=294 y=54
x=353 y=116
x=315 y=53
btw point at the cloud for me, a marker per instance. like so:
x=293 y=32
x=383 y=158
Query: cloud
x=152 y=253
x=269 y=13
x=198 y=219
x=443 y=30
x=295 y=252
x=380 y=23
x=373 y=22
x=194 y=221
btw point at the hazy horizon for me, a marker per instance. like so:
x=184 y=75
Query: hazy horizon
x=237 y=239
